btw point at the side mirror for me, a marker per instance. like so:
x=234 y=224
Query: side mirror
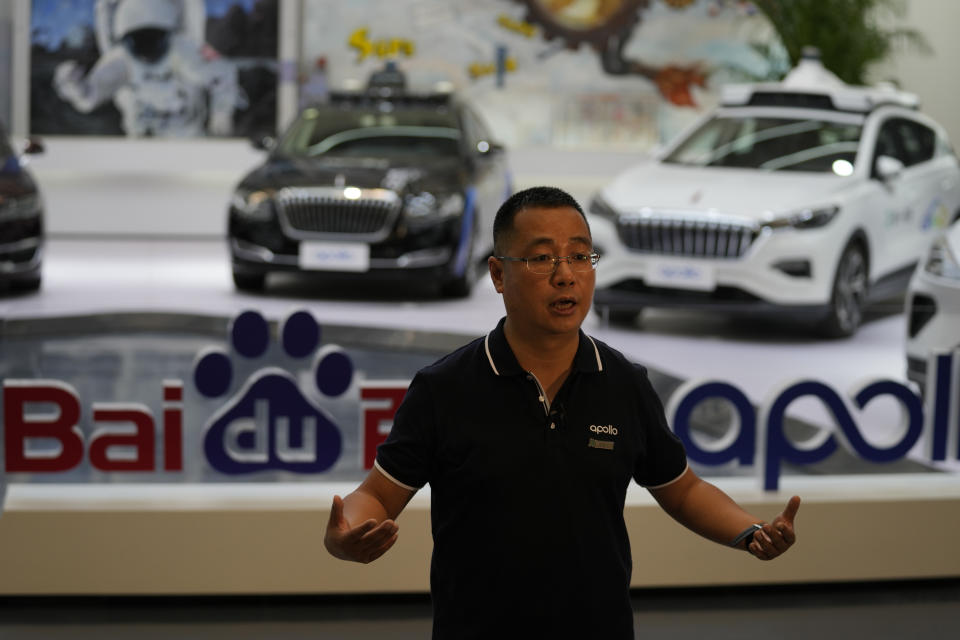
x=888 y=168
x=263 y=143
x=33 y=146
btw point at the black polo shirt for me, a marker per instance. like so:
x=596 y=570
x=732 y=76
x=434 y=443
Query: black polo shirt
x=527 y=497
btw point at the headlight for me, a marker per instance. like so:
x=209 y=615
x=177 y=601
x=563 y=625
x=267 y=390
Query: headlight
x=427 y=208
x=253 y=205
x=941 y=261
x=599 y=206
x=28 y=206
x=810 y=218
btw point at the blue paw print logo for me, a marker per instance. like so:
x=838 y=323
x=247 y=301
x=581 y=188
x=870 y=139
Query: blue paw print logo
x=269 y=424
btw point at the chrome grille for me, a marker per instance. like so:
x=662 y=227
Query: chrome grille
x=686 y=237
x=326 y=213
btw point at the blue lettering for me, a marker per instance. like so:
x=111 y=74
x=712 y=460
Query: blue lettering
x=914 y=416
x=741 y=449
x=940 y=371
x=780 y=448
x=743 y=439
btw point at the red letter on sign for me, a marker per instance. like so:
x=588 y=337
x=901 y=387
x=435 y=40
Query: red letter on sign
x=141 y=440
x=172 y=425
x=60 y=426
x=374 y=429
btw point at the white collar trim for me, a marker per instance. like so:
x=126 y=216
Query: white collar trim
x=486 y=347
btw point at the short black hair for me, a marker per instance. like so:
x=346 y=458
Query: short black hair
x=532 y=198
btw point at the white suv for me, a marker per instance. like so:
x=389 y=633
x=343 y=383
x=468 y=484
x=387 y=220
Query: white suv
x=808 y=197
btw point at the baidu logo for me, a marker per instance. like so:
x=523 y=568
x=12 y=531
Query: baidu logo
x=269 y=423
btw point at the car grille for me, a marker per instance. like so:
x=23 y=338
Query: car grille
x=686 y=237
x=321 y=212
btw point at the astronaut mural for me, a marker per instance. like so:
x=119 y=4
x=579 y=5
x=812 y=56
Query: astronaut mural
x=142 y=68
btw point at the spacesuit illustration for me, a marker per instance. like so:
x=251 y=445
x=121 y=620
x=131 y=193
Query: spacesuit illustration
x=155 y=66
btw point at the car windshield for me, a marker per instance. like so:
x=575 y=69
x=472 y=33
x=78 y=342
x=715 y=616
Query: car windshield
x=341 y=132
x=772 y=144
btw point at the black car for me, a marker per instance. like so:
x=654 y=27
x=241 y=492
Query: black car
x=379 y=185
x=21 y=219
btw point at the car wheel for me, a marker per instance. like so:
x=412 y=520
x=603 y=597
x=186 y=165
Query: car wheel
x=249 y=281
x=617 y=317
x=849 y=294
x=28 y=284
x=460 y=286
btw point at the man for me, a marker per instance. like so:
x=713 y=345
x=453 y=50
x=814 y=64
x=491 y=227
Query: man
x=529 y=438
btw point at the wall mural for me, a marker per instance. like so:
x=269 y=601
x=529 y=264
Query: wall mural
x=165 y=68
x=567 y=73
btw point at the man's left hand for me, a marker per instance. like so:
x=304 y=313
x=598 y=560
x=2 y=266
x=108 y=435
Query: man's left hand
x=777 y=536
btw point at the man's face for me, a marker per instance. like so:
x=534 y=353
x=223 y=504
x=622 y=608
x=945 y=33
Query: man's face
x=552 y=304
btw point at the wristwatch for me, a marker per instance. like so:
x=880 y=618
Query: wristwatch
x=746 y=535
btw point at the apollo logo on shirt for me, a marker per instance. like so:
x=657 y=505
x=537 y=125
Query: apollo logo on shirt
x=607 y=430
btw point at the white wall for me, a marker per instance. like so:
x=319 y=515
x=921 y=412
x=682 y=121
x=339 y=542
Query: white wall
x=934 y=78
x=6 y=59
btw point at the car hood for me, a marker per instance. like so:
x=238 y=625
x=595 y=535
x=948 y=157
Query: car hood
x=743 y=193
x=366 y=173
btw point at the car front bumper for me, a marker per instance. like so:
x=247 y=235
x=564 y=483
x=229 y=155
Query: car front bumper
x=783 y=271
x=440 y=250
x=21 y=259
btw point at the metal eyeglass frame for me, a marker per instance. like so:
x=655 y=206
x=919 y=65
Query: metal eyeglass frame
x=555 y=261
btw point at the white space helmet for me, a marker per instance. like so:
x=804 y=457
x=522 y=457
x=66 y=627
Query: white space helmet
x=132 y=15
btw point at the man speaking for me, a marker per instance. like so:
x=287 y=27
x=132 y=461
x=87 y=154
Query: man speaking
x=529 y=438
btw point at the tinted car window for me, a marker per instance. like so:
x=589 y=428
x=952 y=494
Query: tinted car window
x=389 y=142
x=889 y=143
x=908 y=141
x=775 y=144
x=919 y=141
x=357 y=132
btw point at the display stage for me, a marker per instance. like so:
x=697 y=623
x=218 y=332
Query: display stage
x=117 y=320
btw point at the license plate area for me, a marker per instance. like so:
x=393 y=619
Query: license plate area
x=681 y=275
x=334 y=256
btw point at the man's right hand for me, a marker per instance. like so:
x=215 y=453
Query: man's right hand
x=364 y=543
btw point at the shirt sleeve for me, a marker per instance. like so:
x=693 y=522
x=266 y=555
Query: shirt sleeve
x=663 y=458
x=407 y=455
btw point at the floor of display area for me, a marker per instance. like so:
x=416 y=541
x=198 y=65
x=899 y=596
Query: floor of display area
x=877 y=610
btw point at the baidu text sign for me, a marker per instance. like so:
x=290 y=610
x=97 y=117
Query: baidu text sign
x=296 y=420
x=240 y=415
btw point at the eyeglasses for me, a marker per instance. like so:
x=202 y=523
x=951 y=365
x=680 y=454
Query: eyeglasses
x=544 y=264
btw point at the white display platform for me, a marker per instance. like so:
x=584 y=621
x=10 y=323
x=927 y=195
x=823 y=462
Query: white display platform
x=268 y=539
x=254 y=538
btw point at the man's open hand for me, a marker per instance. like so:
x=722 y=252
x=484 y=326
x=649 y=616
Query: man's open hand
x=364 y=543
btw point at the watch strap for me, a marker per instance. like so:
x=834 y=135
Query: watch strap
x=746 y=534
